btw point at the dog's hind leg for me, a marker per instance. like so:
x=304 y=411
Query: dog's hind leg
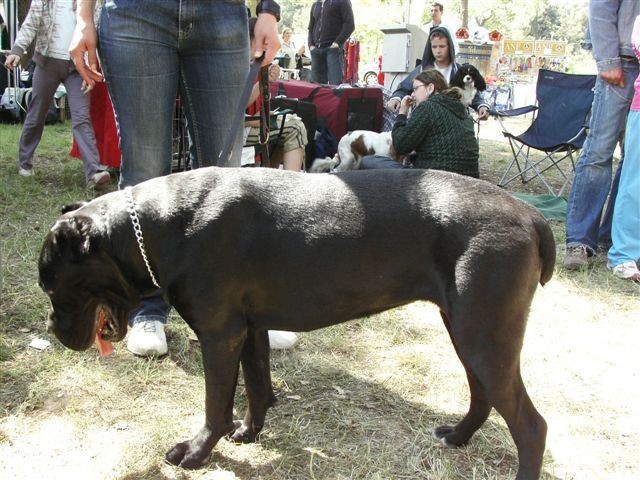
x=488 y=339
x=479 y=407
x=257 y=380
x=221 y=359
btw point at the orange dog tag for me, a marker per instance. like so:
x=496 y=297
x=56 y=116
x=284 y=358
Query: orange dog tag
x=105 y=347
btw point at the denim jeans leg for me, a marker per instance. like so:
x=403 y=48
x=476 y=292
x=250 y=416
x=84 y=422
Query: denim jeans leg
x=371 y=162
x=319 y=65
x=625 y=231
x=212 y=76
x=151 y=308
x=139 y=56
x=335 y=66
x=592 y=180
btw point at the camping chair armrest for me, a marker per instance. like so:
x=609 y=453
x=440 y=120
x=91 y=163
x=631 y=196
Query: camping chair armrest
x=513 y=112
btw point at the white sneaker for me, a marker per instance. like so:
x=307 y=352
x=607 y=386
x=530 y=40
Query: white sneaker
x=99 y=179
x=281 y=340
x=147 y=339
x=26 y=172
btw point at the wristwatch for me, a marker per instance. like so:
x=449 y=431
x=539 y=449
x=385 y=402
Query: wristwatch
x=268 y=6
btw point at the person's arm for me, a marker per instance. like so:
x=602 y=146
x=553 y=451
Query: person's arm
x=408 y=133
x=348 y=25
x=405 y=88
x=27 y=33
x=312 y=23
x=603 y=27
x=480 y=106
x=84 y=43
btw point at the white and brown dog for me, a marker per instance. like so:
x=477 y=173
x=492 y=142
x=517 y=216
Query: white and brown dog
x=352 y=147
x=470 y=80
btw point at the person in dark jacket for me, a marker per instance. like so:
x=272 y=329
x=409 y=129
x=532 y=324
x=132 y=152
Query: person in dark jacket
x=439 y=53
x=330 y=24
x=439 y=130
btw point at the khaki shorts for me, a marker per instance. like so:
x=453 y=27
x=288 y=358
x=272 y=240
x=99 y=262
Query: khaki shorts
x=294 y=134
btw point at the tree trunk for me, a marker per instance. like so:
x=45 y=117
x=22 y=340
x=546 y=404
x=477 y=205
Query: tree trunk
x=464 y=6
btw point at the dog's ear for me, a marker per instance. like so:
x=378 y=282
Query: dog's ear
x=70 y=207
x=71 y=236
x=479 y=82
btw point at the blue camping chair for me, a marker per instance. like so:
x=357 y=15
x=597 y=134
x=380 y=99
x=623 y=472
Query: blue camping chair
x=557 y=131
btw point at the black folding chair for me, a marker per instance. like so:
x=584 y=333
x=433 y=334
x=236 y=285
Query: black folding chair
x=557 y=131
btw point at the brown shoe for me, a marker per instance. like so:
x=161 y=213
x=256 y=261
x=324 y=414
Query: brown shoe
x=576 y=257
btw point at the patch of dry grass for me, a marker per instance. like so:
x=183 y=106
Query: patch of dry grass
x=355 y=401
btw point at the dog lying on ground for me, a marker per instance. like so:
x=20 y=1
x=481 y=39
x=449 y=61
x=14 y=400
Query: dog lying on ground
x=367 y=241
x=470 y=80
x=352 y=147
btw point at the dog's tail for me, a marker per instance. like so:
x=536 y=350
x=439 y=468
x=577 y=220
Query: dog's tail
x=546 y=247
x=321 y=165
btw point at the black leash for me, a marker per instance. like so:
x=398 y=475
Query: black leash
x=237 y=123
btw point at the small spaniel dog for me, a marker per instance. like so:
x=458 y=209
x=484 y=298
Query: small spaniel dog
x=352 y=147
x=470 y=80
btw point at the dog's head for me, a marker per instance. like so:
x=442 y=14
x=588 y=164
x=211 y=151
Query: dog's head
x=468 y=77
x=80 y=279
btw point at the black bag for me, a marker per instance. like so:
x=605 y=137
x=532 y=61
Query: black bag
x=361 y=114
x=307 y=112
x=326 y=143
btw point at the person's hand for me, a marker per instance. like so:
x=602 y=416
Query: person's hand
x=83 y=53
x=483 y=113
x=393 y=104
x=12 y=61
x=266 y=37
x=274 y=72
x=614 y=76
x=334 y=45
x=405 y=104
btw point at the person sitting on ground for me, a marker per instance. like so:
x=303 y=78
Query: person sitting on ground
x=439 y=130
x=290 y=149
x=439 y=54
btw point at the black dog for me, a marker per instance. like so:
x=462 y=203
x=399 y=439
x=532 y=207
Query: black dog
x=470 y=80
x=228 y=245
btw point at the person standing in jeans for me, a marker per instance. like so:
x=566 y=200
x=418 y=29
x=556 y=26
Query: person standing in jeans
x=148 y=54
x=330 y=24
x=51 y=24
x=610 y=27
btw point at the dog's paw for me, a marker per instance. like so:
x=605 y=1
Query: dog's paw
x=243 y=433
x=449 y=437
x=185 y=456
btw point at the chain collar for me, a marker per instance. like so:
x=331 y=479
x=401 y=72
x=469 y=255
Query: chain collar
x=131 y=208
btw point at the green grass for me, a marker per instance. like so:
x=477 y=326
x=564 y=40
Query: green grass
x=355 y=401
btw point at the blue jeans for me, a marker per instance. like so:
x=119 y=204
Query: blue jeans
x=327 y=65
x=150 y=52
x=371 y=162
x=592 y=181
x=625 y=231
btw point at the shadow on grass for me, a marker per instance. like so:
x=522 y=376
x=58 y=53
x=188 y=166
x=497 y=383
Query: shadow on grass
x=363 y=431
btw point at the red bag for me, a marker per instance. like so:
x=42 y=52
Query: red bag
x=340 y=109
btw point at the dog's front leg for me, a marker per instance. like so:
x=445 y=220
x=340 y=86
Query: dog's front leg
x=257 y=380
x=220 y=357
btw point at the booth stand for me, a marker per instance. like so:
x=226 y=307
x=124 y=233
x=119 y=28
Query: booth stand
x=402 y=48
